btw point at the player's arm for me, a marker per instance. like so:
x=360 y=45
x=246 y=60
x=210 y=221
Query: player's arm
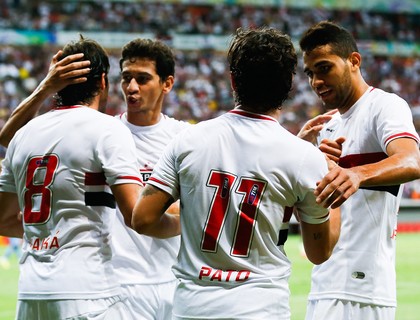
x=69 y=70
x=402 y=165
x=10 y=224
x=312 y=127
x=126 y=196
x=174 y=208
x=150 y=216
x=319 y=239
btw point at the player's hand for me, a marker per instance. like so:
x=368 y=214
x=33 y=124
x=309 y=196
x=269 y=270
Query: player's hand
x=312 y=127
x=69 y=70
x=332 y=148
x=337 y=186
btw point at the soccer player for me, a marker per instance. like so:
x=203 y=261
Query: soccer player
x=374 y=140
x=238 y=177
x=64 y=171
x=142 y=263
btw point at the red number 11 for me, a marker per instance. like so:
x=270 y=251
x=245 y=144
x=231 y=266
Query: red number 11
x=251 y=191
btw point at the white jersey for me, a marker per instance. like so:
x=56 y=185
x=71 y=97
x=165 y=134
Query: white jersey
x=61 y=165
x=237 y=177
x=139 y=259
x=362 y=265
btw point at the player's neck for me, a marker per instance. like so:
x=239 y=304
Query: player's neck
x=143 y=118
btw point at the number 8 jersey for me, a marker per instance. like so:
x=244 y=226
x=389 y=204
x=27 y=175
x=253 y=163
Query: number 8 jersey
x=236 y=177
x=61 y=165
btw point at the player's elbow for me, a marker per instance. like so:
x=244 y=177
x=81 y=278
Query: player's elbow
x=142 y=222
x=319 y=257
x=137 y=222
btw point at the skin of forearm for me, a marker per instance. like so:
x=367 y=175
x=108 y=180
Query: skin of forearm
x=13 y=231
x=11 y=226
x=317 y=241
x=335 y=226
x=151 y=216
x=168 y=226
x=26 y=111
x=394 y=170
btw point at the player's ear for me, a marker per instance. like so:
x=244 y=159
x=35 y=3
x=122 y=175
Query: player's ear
x=355 y=59
x=168 y=84
x=232 y=82
x=104 y=81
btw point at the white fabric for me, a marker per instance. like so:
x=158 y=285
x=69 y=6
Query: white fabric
x=111 y=308
x=140 y=259
x=332 y=309
x=252 y=163
x=150 y=301
x=362 y=265
x=68 y=205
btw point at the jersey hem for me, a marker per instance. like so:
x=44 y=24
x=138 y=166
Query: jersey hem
x=352 y=297
x=69 y=296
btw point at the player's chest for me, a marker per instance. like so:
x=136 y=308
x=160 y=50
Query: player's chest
x=360 y=133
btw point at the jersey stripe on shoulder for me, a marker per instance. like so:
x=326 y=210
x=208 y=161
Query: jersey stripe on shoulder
x=402 y=135
x=252 y=115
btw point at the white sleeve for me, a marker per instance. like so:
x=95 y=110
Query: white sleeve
x=117 y=153
x=7 y=181
x=165 y=173
x=394 y=119
x=314 y=168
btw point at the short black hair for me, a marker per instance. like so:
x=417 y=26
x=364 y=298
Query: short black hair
x=154 y=50
x=329 y=33
x=262 y=63
x=83 y=93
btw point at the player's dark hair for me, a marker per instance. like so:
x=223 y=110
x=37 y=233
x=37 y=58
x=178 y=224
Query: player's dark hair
x=262 y=63
x=154 y=50
x=83 y=93
x=328 y=33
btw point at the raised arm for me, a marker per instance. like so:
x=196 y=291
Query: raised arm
x=402 y=165
x=69 y=70
x=150 y=216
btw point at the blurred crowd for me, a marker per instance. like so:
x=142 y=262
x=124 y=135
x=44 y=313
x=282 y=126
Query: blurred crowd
x=166 y=17
x=202 y=88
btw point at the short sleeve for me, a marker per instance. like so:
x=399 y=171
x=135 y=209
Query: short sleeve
x=314 y=168
x=7 y=181
x=117 y=153
x=394 y=120
x=165 y=173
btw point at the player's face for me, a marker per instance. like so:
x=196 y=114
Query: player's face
x=329 y=76
x=143 y=90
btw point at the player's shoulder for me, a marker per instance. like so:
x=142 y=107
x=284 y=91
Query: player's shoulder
x=385 y=97
x=175 y=123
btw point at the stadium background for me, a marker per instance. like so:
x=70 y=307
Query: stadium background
x=387 y=32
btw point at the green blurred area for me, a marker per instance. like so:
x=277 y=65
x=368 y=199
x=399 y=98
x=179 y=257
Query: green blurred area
x=408 y=279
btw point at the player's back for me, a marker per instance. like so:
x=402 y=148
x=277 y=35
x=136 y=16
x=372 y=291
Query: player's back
x=63 y=163
x=237 y=174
